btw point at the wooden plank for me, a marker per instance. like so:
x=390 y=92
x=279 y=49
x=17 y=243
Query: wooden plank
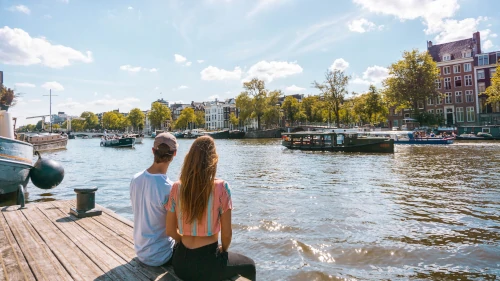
x=113 y=265
x=117 y=243
x=14 y=265
x=78 y=265
x=40 y=258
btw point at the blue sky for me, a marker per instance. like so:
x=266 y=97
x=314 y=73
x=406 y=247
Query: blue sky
x=104 y=55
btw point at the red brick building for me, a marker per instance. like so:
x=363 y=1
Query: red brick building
x=485 y=67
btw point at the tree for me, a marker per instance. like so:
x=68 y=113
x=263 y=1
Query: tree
x=77 y=125
x=110 y=120
x=411 y=80
x=333 y=90
x=186 y=117
x=200 y=118
x=257 y=90
x=56 y=126
x=7 y=97
x=291 y=107
x=307 y=105
x=159 y=114
x=244 y=105
x=136 y=118
x=38 y=125
x=233 y=119
x=374 y=106
x=493 y=91
x=91 y=120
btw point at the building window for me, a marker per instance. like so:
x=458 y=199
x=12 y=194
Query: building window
x=460 y=114
x=431 y=111
x=420 y=104
x=470 y=114
x=468 y=96
x=492 y=72
x=446 y=57
x=481 y=87
x=447 y=83
x=439 y=111
x=458 y=97
x=467 y=67
x=447 y=98
x=430 y=101
x=458 y=81
x=446 y=70
x=480 y=74
x=498 y=57
x=456 y=68
x=438 y=83
x=467 y=54
x=468 y=80
x=439 y=100
x=483 y=60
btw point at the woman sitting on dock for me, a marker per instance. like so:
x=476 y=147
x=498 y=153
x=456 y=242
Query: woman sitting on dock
x=199 y=207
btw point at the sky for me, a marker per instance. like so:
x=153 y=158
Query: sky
x=120 y=54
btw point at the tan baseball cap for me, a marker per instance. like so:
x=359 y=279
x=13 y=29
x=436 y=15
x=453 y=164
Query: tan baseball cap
x=168 y=139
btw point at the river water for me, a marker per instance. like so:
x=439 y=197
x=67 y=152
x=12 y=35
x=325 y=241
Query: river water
x=424 y=212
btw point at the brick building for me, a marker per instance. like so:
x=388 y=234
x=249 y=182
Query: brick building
x=484 y=68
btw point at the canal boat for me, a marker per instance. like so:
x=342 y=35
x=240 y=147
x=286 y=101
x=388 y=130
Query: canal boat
x=15 y=158
x=236 y=134
x=138 y=138
x=332 y=141
x=178 y=135
x=480 y=136
x=218 y=134
x=117 y=142
x=44 y=141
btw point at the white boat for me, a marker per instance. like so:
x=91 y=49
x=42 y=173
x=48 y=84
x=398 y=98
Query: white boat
x=408 y=137
x=138 y=138
x=15 y=158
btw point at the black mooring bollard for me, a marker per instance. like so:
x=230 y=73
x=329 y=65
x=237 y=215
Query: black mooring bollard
x=85 y=203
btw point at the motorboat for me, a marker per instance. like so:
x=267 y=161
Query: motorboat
x=117 y=142
x=236 y=134
x=408 y=137
x=138 y=137
x=479 y=136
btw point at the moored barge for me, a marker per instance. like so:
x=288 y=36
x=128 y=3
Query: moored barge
x=331 y=141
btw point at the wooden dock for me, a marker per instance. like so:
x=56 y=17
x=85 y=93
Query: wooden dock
x=45 y=242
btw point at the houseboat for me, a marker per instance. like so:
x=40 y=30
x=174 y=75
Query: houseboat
x=409 y=137
x=332 y=141
x=45 y=141
x=236 y=134
x=219 y=134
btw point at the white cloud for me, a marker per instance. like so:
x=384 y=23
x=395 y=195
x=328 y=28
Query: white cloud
x=25 y=85
x=95 y=94
x=179 y=59
x=64 y=1
x=182 y=87
x=54 y=86
x=134 y=69
x=200 y=61
x=339 y=64
x=487 y=45
x=436 y=15
x=188 y=63
x=372 y=75
x=361 y=25
x=294 y=88
x=69 y=103
x=130 y=8
x=47 y=16
x=130 y=68
x=20 y=8
x=107 y=96
x=213 y=73
x=264 y=5
x=17 y=47
x=268 y=71
x=116 y=102
x=156 y=88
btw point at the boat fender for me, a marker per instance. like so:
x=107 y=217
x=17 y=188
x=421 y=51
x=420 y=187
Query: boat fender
x=46 y=173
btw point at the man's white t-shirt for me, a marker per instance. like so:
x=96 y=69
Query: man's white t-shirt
x=149 y=193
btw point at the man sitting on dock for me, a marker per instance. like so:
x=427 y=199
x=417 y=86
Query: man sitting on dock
x=149 y=192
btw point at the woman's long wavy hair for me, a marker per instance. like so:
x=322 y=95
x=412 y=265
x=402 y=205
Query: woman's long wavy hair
x=197 y=178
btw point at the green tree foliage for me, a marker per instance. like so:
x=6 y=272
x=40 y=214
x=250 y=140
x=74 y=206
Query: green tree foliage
x=38 y=125
x=7 y=97
x=233 y=119
x=136 y=119
x=256 y=89
x=56 y=126
x=77 y=125
x=411 y=80
x=186 y=117
x=272 y=111
x=91 y=120
x=333 y=90
x=200 y=118
x=292 y=109
x=159 y=114
x=244 y=105
x=493 y=91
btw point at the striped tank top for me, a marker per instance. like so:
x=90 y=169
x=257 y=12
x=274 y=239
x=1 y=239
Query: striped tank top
x=218 y=203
